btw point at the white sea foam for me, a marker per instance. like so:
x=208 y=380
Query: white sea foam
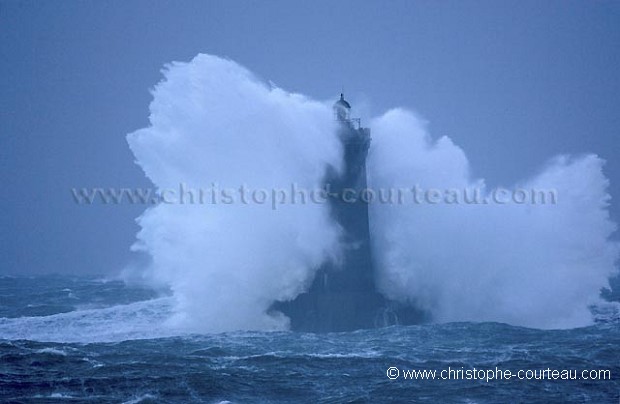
x=524 y=264
x=212 y=121
x=138 y=320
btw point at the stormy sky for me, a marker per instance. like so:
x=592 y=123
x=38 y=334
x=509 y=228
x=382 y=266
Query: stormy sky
x=512 y=83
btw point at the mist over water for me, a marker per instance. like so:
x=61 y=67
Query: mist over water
x=212 y=121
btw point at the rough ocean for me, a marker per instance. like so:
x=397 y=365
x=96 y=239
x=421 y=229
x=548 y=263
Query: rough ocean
x=67 y=339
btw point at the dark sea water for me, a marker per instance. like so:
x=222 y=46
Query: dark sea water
x=82 y=340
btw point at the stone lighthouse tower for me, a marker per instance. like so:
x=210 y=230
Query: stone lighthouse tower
x=349 y=204
x=343 y=295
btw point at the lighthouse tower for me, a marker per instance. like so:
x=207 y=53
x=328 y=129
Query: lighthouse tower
x=343 y=296
x=349 y=205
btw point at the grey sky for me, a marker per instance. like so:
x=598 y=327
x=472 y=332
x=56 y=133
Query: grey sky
x=512 y=82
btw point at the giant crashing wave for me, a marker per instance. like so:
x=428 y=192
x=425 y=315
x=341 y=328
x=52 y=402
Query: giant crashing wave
x=212 y=121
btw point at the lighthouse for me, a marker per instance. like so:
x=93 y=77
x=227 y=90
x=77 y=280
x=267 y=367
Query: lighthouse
x=343 y=295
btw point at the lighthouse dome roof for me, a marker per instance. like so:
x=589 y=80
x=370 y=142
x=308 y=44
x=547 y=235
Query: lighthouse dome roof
x=342 y=102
